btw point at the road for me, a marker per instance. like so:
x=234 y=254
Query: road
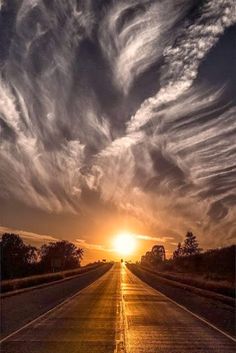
x=17 y=310
x=118 y=313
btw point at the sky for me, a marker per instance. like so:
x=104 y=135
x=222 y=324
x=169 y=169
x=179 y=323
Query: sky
x=118 y=116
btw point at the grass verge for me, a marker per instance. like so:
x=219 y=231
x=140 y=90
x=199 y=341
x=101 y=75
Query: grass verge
x=220 y=287
x=26 y=282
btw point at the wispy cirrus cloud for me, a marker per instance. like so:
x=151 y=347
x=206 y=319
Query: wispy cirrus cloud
x=155 y=239
x=134 y=34
x=73 y=75
x=86 y=245
x=182 y=59
x=29 y=236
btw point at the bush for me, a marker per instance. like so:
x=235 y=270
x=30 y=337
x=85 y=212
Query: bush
x=217 y=263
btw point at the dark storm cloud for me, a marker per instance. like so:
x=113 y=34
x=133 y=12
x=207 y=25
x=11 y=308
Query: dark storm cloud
x=132 y=100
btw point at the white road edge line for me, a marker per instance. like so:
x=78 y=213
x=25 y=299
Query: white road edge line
x=39 y=286
x=51 y=310
x=190 y=312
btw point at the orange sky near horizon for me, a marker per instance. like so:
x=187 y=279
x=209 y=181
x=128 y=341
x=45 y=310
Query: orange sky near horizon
x=108 y=249
x=121 y=119
x=95 y=232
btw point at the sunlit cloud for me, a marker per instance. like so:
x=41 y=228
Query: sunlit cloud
x=86 y=245
x=150 y=238
x=29 y=236
x=133 y=36
x=77 y=113
x=182 y=60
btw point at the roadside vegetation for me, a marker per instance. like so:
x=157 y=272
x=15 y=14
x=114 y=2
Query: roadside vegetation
x=20 y=260
x=24 y=266
x=31 y=281
x=212 y=270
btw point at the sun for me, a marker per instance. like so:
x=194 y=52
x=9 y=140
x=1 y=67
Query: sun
x=124 y=243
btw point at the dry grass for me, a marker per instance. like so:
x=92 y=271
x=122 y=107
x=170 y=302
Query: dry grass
x=155 y=280
x=19 y=283
x=223 y=287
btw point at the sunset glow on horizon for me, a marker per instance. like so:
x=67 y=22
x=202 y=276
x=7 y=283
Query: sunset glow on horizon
x=117 y=176
x=125 y=243
x=109 y=124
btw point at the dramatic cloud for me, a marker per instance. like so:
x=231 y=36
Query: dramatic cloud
x=134 y=34
x=130 y=101
x=184 y=57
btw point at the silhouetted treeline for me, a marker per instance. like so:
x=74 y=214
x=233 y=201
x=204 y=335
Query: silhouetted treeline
x=189 y=258
x=20 y=260
x=154 y=257
x=189 y=247
x=157 y=255
x=216 y=263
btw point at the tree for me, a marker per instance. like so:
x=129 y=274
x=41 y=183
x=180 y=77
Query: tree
x=155 y=256
x=178 y=252
x=158 y=253
x=191 y=246
x=16 y=257
x=146 y=259
x=60 y=255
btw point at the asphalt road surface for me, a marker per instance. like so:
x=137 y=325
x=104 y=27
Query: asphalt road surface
x=118 y=313
x=17 y=310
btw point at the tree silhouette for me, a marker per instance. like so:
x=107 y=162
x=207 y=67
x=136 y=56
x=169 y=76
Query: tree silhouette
x=178 y=252
x=60 y=255
x=158 y=253
x=155 y=256
x=16 y=257
x=191 y=246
